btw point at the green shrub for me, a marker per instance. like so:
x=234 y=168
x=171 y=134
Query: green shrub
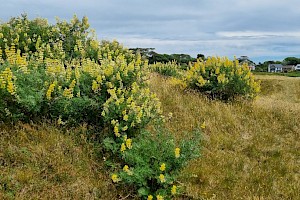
x=89 y=92
x=166 y=69
x=65 y=41
x=150 y=164
x=222 y=78
x=64 y=74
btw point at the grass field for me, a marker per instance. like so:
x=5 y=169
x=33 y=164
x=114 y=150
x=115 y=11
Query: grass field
x=42 y=162
x=288 y=74
x=250 y=150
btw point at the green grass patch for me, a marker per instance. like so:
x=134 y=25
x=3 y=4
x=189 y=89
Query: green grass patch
x=288 y=74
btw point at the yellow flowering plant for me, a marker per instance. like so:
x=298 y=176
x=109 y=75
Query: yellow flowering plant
x=221 y=78
x=88 y=83
x=67 y=41
x=152 y=165
x=167 y=69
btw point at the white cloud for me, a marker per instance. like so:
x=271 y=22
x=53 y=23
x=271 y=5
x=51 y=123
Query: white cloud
x=256 y=34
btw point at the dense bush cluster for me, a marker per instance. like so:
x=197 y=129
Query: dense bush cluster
x=63 y=74
x=151 y=164
x=166 y=69
x=77 y=91
x=64 y=41
x=222 y=78
x=218 y=78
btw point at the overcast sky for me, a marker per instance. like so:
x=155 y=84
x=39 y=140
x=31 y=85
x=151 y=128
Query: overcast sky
x=260 y=29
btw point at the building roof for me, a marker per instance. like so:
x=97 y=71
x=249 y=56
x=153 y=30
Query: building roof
x=288 y=66
x=276 y=65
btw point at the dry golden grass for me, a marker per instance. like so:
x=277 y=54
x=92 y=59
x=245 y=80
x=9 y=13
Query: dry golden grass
x=250 y=150
x=41 y=162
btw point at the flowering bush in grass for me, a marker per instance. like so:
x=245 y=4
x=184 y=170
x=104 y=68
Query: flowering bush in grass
x=150 y=164
x=86 y=92
x=62 y=74
x=37 y=37
x=167 y=69
x=65 y=74
x=222 y=78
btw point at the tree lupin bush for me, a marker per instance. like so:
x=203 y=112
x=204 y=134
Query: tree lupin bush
x=166 y=69
x=151 y=164
x=222 y=78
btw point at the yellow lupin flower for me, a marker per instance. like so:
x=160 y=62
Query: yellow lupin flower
x=50 y=90
x=162 y=167
x=129 y=143
x=159 y=197
x=115 y=178
x=60 y=121
x=170 y=115
x=127 y=170
x=123 y=147
x=116 y=131
x=132 y=124
x=217 y=70
x=95 y=86
x=150 y=197
x=11 y=88
x=125 y=118
x=177 y=152
x=118 y=76
x=162 y=178
x=221 y=78
x=125 y=128
x=203 y=125
x=173 y=189
x=201 y=81
x=125 y=137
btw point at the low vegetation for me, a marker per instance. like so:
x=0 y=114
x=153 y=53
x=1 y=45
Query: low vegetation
x=288 y=74
x=167 y=69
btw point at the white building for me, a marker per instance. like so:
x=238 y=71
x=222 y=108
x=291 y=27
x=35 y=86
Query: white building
x=275 y=67
x=281 y=68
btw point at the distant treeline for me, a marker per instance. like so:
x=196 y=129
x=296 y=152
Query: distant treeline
x=263 y=67
x=153 y=57
x=184 y=59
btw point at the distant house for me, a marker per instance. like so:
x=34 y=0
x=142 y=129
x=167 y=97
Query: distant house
x=288 y=68
x=251 y=67
x=275 y=68
x=280 y=68
x=297 y=67
x=245 y=59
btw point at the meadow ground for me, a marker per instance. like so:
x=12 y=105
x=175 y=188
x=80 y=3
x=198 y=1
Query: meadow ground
x=250 y=150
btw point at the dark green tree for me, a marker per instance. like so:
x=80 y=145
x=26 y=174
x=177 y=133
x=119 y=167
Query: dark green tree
x=145 y=52
x=291 y=61
x=201 y=56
